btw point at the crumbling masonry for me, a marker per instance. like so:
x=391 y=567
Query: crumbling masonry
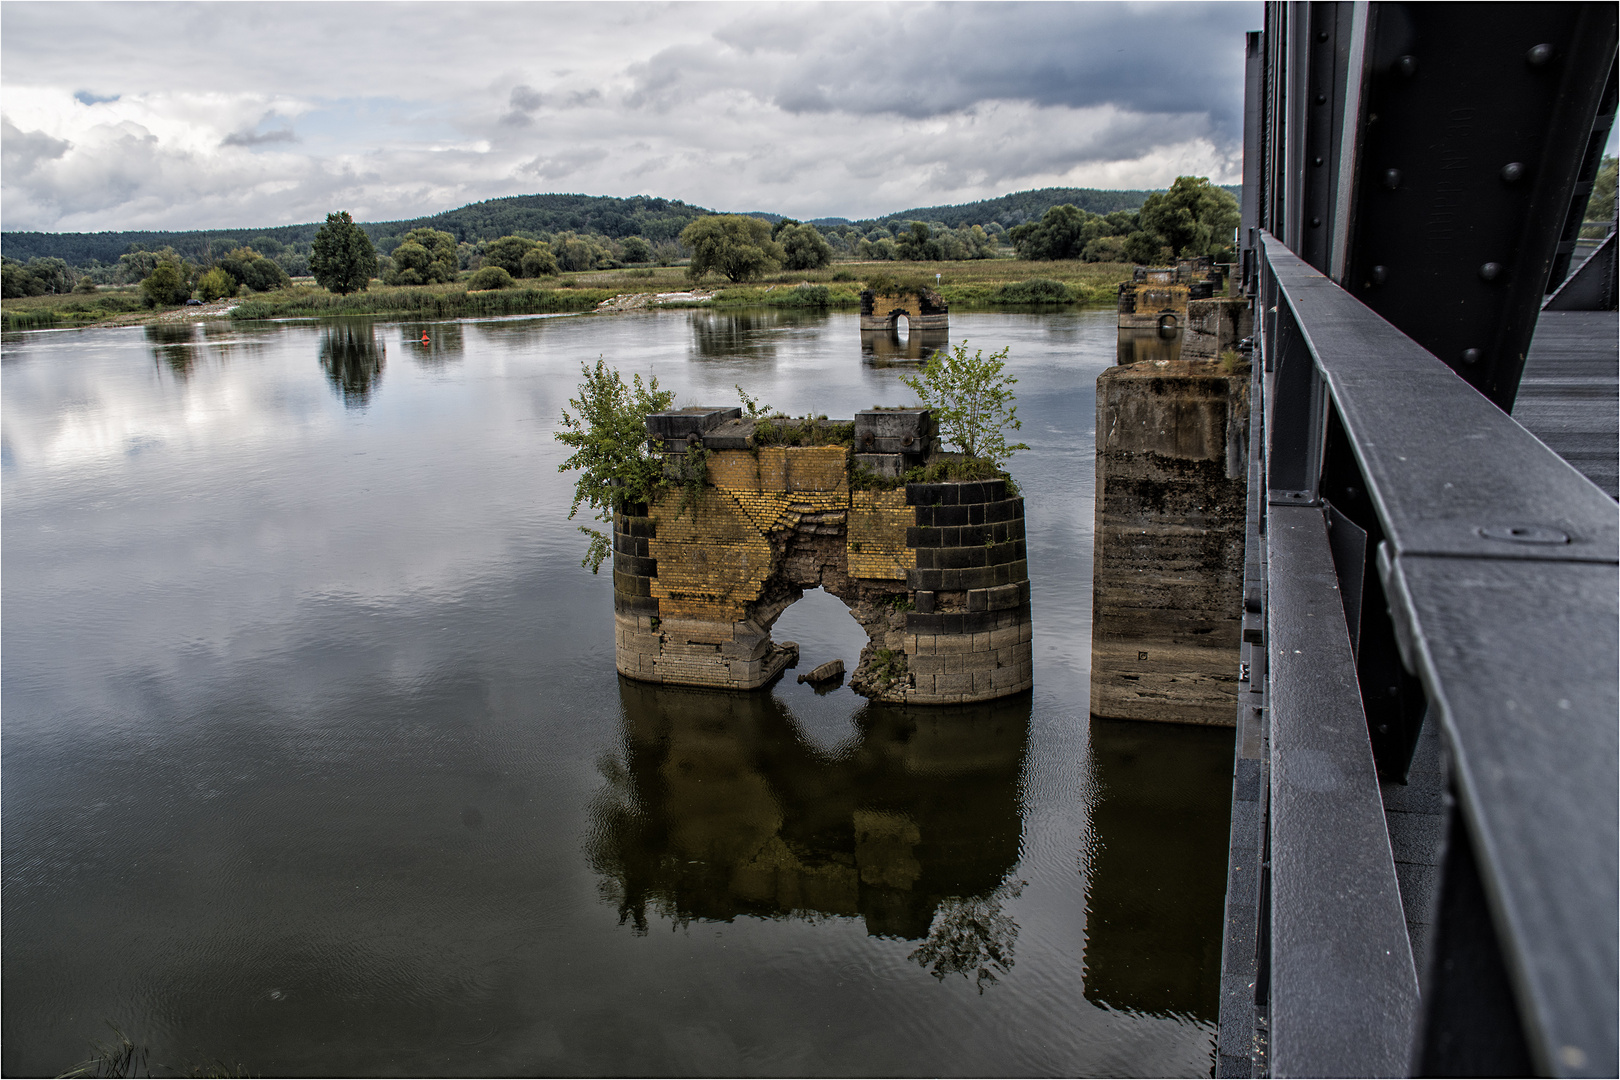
x=934 y=572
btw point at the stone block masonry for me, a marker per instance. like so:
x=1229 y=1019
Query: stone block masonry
x=936 y=573
x=924 y=310
x=1171 y=501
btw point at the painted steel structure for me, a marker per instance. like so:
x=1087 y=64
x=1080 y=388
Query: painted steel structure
x=1430 y=592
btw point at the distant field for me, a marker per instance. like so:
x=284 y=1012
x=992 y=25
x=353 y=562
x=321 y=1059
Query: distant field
x=971 y=284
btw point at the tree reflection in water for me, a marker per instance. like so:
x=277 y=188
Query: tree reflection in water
x=173 y=344
x=719 y=807
x=728 y=335
x=971 y=935
x=353 y=360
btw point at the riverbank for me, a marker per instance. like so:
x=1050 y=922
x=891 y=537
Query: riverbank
x=989 y=284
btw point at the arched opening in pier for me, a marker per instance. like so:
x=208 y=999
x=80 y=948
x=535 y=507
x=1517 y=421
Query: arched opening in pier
x=824 y=628
x=900 y=325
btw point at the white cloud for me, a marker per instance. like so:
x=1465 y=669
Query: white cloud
x=197 y=115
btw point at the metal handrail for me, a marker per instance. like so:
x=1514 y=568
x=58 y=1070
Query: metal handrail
x=1501 y=565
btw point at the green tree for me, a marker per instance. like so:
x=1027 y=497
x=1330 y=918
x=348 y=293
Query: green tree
x=165 y=285
x=507 y=253
x=538 y=261
x=803 y=248
x=608 y=433
x=1194 y=217
x=217 y=283
x=1145 y=248
x=636 y=250
x=971 y=399
x=736 y=246
x=436 y=262
x=248 y=267
x=580 y=252
x=343 y=260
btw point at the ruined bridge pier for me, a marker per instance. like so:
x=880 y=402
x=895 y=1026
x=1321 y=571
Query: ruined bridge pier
x=935 y=573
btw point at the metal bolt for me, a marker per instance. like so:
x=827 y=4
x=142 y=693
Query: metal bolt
x=1321 y=99
x=1392 y=178
x=1380 y=274
x=1539 y=55
x=1472 y=356
x=1315 y=221
x=1513 y=172
x=1491 y=271
x=1407 y=65
x=1321 y=35
x=1316 y=161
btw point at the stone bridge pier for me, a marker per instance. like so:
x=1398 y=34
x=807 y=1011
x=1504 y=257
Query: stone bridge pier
x=935 y=573
x=923 y=310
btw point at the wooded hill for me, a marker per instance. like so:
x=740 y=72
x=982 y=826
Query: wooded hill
x=653 y=218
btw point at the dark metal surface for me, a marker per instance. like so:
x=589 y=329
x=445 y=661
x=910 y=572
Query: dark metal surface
x=1592 y=286
x=1440 y=463
x=1519 y=659
x=1343 y=985
x=1499 y=568
x=1478 y=125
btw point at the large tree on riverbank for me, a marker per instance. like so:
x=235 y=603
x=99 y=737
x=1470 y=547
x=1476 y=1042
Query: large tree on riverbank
x=736 y=245
x=342 y=259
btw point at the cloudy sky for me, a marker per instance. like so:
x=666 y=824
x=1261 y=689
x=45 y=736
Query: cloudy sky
x=197 y=115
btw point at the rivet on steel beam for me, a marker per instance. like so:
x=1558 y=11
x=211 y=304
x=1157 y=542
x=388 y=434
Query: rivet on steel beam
x=1315 y=222
x=1380 y=274
x=1392 y=178
x=1491 y=271
x=1321 y=99
x=1513 y=172
x=1524 y=534
x=1472 y=356
x=1316 y=161
x=1407 y=65
x=1539 y=55
x=1321 y=35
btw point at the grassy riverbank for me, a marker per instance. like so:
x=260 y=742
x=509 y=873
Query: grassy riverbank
x=979 y=284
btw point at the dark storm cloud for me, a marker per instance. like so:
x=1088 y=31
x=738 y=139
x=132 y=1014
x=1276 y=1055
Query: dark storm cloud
x=921 y=61
x=22 y=151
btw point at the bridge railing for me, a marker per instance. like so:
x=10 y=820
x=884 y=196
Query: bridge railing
x=1431 y=562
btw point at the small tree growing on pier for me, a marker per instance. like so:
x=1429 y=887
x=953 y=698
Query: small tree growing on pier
x=971 y=399
x=608 y=435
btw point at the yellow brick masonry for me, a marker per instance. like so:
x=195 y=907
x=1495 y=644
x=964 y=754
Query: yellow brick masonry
x=876 y=537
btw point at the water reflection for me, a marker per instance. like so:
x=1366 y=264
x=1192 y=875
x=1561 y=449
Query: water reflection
x=353 y=360
x=174 y=345
x=719 y=807
x=1148 y=344
x=891 y=347
x=1157 y=874
x=725 y=335
x=432 y=344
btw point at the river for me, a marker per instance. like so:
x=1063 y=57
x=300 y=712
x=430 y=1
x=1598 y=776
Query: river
x=315 y=759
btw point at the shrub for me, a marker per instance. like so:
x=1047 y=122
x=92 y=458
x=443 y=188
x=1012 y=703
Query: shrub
x=215 y=284
x=970 y=398
x=608 y=435
x=1035 y=291
x=490 y=277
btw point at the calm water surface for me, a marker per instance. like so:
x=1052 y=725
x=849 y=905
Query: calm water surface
x=315 y=758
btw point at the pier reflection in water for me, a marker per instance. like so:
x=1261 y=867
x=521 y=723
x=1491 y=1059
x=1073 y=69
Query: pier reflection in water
x=720 y=807
x=1138 y=345
x=1157 y=872
x=893 y=347
x=751 y=335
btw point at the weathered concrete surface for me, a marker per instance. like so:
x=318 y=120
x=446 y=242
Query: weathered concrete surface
x=1215 y=325
x=935 y=573
x=1171 y=487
